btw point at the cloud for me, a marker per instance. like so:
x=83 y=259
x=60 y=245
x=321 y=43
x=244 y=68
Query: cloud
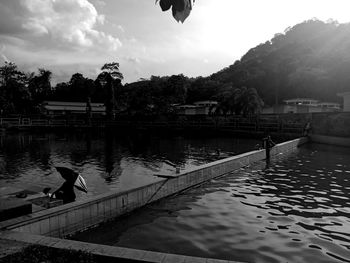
x=121 y=28
x=2 y=54
x=99 y=3
x=57 y=23
x=134 y=60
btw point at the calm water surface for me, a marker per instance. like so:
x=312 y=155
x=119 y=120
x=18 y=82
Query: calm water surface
x=108 y=161
x=296 y=210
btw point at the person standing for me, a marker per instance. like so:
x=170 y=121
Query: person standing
x=267 y=145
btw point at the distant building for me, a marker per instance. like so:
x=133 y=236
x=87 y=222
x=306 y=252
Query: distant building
x=346 y=100
x=302 y=105
x=329 y=105
x=207 y=103
x=198 y=108
x=301 y=101
x=55 y=108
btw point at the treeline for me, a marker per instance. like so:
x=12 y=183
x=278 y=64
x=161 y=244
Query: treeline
x=23 y=93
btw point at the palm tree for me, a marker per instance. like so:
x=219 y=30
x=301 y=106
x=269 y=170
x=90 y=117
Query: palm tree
x=110 y=79
x=247 y=101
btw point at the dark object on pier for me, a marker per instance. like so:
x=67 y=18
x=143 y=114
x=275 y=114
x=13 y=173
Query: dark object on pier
x=267 y=145
x=70 y=176
x=46 y=190
x=72 y=179
x=67 y=174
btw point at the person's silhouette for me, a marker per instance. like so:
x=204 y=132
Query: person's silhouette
x=65 y=192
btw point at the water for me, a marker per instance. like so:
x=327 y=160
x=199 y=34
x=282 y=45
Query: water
x=110 y=161
x=296 y=210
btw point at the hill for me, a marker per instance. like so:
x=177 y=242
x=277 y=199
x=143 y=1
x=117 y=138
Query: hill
x=311 y=59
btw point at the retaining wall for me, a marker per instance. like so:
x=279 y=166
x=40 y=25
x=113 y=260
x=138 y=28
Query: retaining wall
x=335 y=124
x=67 y=219
x=332 y=140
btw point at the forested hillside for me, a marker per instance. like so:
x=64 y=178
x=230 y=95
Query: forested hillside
x=311 y=59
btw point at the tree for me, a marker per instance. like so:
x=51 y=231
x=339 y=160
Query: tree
x=109 y=80
x=202 y=89
x=247 y=101
x=40 y=87
x=113 y=70
x=78 y=88
x=14 y=94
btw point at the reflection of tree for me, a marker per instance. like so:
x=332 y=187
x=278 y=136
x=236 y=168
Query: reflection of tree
x=112 y=160
x=78 y=153
x=17 y=149
x=88 y=143
x=40 y=150
x=109 y=144
x=152 y=149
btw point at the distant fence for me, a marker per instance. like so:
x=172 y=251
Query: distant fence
x=253 y=124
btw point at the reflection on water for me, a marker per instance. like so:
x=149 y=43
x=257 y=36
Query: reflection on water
x=296 y=210
x=108 y=161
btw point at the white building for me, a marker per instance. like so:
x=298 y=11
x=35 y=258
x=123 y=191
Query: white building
x=65 y=108
x=302 y=101
x=302 y=105
x=346 y=100
x=207 y=103
x=198 y=108
x=329 y=105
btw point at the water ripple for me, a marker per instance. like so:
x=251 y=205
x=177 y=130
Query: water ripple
x=296 y=210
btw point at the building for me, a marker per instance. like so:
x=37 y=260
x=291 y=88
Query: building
x=198 y=108
x=302 y=105
x=302 y=101
x=346 y=100
x=54 y=108
x=330 y=105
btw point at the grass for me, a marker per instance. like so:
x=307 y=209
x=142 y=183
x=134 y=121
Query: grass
x=41 y=254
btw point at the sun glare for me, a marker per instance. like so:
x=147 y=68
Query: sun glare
x=232 y=27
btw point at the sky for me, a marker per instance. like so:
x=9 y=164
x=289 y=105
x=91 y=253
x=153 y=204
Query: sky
x=69 y=36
